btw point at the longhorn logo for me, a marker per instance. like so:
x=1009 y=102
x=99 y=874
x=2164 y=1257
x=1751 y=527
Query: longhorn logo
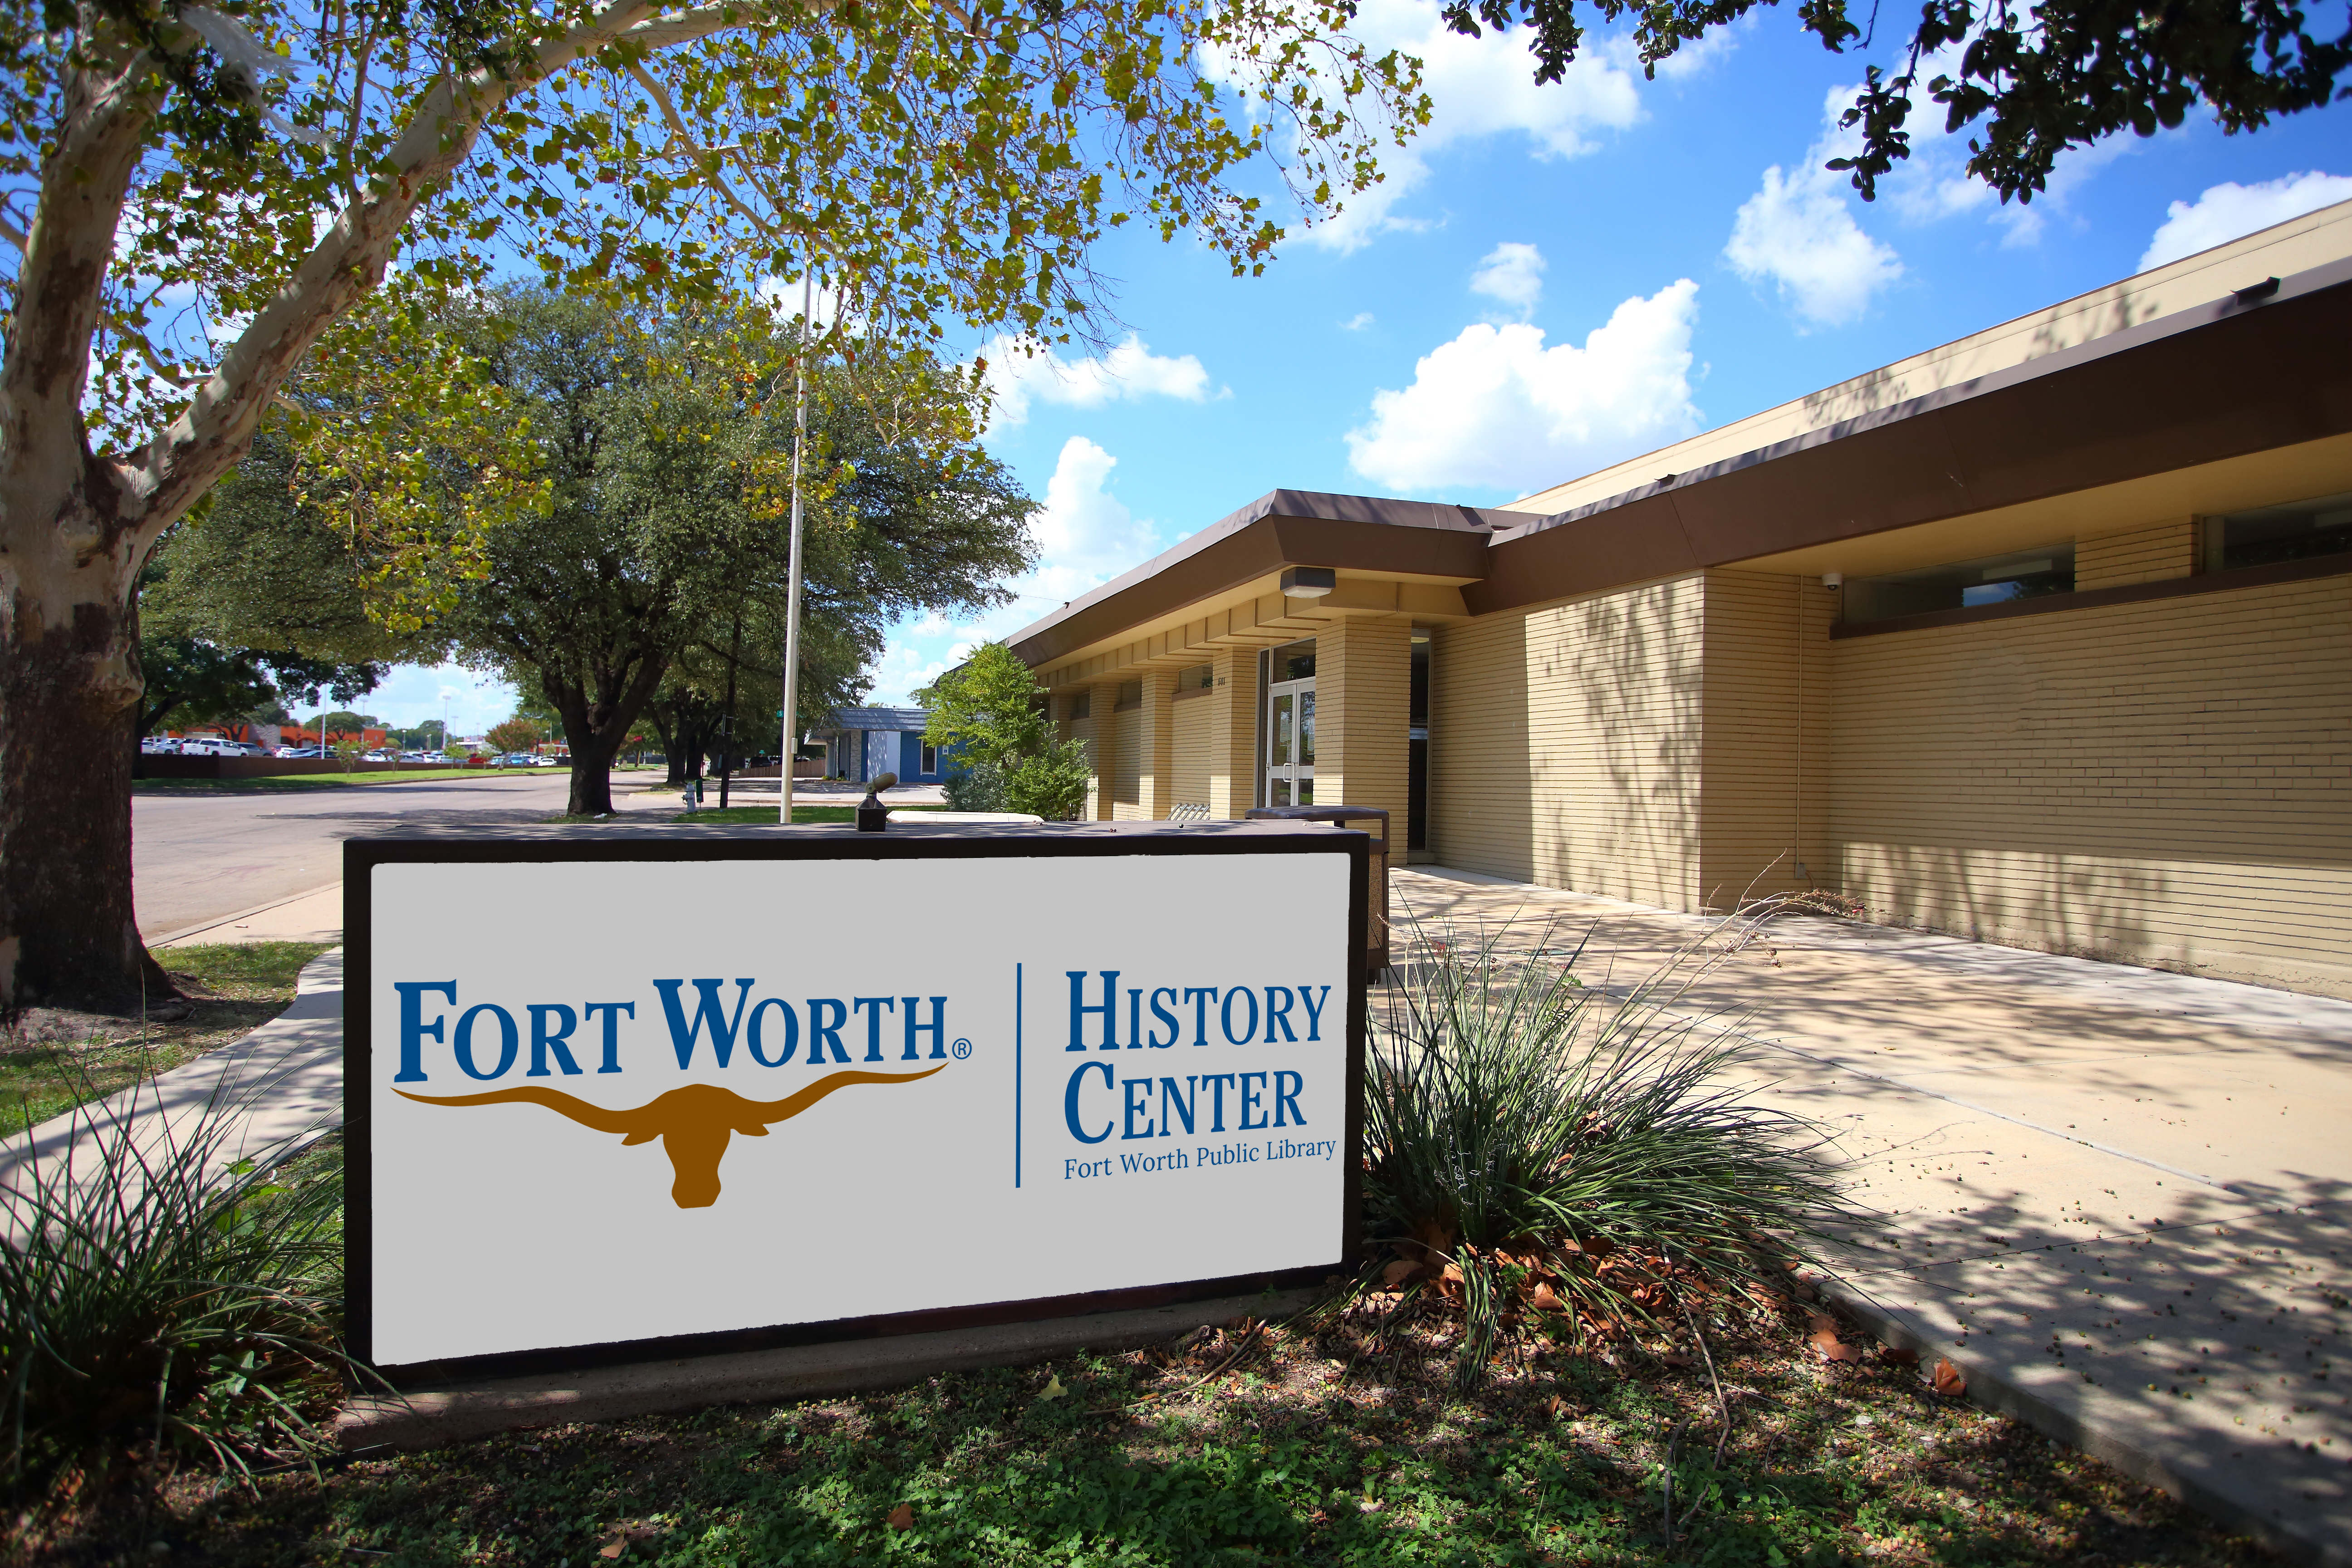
x=694 y=1123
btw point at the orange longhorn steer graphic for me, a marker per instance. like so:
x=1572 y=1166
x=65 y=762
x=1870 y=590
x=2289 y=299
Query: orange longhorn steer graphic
x=694 y=1123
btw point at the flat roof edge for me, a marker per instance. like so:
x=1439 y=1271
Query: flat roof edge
x=2302 y=285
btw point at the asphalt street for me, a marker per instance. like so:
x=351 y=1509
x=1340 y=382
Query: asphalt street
x=198 y=857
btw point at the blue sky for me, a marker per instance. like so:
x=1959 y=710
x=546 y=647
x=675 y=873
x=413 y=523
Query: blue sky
x=1552 y=280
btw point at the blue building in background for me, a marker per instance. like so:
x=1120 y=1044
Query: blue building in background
x=864 y=742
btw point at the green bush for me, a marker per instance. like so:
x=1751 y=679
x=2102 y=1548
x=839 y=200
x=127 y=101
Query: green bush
x=1519 y=1125
x=154 y=1304
x=1052 y=783
x=977 y=788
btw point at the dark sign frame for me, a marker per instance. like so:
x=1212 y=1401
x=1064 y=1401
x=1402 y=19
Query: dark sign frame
x=671 y=845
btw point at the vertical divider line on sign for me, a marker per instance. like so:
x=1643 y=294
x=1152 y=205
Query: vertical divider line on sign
x=1016 y=1077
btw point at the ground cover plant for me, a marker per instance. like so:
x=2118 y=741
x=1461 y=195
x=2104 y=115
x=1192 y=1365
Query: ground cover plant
x=51 y=1062
x=165 y=1304
x=1339 y=1440
x=1541 y=1153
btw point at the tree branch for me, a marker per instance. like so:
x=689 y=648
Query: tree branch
x=181 y=463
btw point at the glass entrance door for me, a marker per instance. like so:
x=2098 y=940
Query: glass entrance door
x=1290 y=743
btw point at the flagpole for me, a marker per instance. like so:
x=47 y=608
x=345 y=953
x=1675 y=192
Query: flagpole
x=790 y=717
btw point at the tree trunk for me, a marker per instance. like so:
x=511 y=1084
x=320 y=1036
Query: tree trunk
x=69 y=933
x=596 y=722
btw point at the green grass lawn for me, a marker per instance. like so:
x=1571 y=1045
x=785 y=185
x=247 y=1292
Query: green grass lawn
x=235 y=987
x=331 y=781
x=1330 y=1445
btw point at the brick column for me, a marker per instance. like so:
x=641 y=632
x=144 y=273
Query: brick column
x=1233 y=733
x=1101 y=745
x=1156 y=745
x=1363 y=697
x=1086 y=729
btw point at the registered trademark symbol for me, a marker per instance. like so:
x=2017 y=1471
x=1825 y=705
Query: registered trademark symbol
x=963 y=1048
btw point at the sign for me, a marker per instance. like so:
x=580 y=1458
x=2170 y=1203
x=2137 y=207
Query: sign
x=616 y=1095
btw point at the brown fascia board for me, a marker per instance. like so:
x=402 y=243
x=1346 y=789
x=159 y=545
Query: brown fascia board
x=2218 y=381
x=1281 y=528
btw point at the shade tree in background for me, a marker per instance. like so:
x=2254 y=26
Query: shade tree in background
x=665 y=446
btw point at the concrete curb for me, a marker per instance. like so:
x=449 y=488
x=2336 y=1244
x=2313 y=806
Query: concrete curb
x=172 y=939
x=1988 y=1389
x=429 y=1417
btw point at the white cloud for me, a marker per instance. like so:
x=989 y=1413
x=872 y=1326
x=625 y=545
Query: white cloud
x=1357 y=323
x=1513 y=273
x=1130 y=371
x=1496 y=407
x=2231 y=211
x=1798 y=231
x=1086 y=536
x=1479 y=87
x=412 y=694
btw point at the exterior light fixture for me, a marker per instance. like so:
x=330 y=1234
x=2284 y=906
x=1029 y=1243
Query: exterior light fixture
x=2256 y=293
x=1308 y=582
x=1832 y=579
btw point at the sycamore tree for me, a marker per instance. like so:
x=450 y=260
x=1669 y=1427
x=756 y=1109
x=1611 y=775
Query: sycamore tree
x=196 y=196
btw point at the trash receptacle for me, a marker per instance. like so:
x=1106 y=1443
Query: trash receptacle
x=1372 y=821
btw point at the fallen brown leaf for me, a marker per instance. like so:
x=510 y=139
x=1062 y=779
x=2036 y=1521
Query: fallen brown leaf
x=1676 y=1358
x=1543 y=1295
x=1949 y=1381
x=1831 y=1348
x=1397 y=1273
x=903 y=1516
x=1896 y=1355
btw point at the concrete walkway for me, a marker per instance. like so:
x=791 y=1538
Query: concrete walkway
x=2116 y=1198
x=278 y=1089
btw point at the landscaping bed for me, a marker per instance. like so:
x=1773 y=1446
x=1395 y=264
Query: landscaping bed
x=1315 y=1443
x=51 y=1061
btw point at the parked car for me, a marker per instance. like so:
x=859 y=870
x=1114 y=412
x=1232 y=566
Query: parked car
x=210 y=746
x=379 y=757
x=160 y=745
x=300 y=753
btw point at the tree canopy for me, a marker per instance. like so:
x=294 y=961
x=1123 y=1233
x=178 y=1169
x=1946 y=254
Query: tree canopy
x=665 y=448
x=2040 y=78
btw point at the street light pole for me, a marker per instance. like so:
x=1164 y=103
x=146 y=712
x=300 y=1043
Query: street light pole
x=790 y=717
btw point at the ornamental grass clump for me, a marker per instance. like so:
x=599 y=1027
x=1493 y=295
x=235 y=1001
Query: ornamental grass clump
x=1556 y=1157
x=159 y=1302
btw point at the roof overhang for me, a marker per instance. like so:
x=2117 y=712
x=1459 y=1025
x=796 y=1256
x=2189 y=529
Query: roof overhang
x=1360 y=535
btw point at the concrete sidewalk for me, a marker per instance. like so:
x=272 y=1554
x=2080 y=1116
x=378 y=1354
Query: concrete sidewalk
x=2119 y=1199
x=279 y=1089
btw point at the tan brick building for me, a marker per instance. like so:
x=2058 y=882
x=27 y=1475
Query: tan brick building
x=2044 y=636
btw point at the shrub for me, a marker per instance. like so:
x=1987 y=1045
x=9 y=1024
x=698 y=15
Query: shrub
x=154 y=1303
x=977 y=788
x=1052 y=783
x=1546 y=1145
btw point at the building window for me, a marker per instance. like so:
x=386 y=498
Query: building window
x=1196 y=678
x=1082 y=706
x=1960 y=584
x=1295 y=661
x=2295 y=532
x=931 y=758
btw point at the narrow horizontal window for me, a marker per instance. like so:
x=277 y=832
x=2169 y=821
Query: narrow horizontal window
x=1960 y=584
x=1196 y=678
x=2295 y=532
